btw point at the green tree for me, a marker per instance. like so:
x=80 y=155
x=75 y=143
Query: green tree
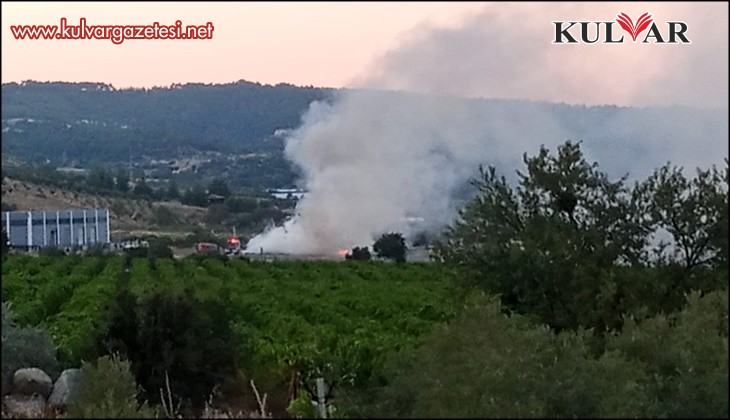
x=173 y=192
x=122 y=180
x=545 y=245
x=142 y=189
x=176 y=335
x=694 y=212
x=721 y=234
x=359 y=254
x=195 y=196
x=99 y=178
x=391 y=246
x=219 y=187
x=159 y=248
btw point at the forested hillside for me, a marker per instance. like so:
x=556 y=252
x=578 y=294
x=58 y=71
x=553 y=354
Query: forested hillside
x=198 y=132
x=83 y=123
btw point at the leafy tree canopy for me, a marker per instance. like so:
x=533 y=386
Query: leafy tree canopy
x=359 y=254
x=391 y=246
x=219 y=187
x=551 y=245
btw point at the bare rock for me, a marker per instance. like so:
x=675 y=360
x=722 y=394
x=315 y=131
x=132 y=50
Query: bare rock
x=31 y=381
x=66 y=388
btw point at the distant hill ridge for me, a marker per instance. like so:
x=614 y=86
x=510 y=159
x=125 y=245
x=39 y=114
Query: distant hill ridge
x=94 y=122
x=241 y=125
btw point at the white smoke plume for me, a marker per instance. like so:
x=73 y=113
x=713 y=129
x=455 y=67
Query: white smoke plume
x=374 y=161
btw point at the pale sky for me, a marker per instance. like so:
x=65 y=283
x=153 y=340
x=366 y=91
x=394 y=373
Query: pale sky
x=472 y=49
x=320 y=44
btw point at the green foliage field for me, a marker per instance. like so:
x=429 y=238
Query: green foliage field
x=399 y=339
x=340 y=320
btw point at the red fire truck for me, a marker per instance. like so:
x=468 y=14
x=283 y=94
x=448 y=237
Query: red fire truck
x=233 y=246
x=206 y=248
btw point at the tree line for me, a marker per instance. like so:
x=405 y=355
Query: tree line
x=574 y=248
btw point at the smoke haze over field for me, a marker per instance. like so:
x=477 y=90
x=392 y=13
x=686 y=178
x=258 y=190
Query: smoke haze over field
x=373 y=159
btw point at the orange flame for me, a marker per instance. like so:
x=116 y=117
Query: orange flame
x=342 y=252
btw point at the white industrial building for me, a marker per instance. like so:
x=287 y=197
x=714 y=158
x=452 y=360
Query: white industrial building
x=77 y=228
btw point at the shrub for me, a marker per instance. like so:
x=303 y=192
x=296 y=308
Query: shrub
x=172 y=333
x=109 y=390
x=51 y=251
x=361 y=254
x=301 y=407
x=159 y=248
x=241 y=204
x=488 y=364
x=216 y=214
x=163 y=216
x=392 y=246
x=25 y=347
x=685 y=356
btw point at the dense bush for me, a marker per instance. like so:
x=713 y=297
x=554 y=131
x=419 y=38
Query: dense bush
x=198 y=235
x=195 y=196
x=684 y=356
x=489 y=364
x=159 y=248
x=109 y=390
x=174 y=334
x=359 y=254
x=241 y=204
x=24 y=347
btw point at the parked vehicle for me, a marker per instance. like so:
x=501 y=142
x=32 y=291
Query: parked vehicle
x=206 y=248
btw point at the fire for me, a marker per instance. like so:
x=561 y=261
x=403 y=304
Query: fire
x=342 y=252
